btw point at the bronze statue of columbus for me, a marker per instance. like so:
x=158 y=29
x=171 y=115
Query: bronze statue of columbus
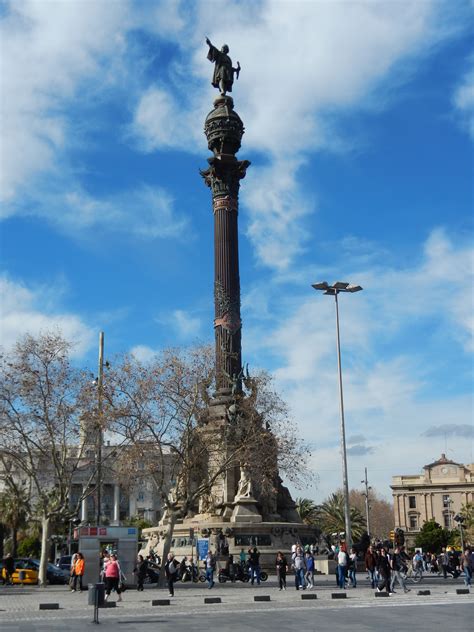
x=223 y=77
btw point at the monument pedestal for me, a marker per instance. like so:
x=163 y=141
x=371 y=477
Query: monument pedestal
x=245 y=510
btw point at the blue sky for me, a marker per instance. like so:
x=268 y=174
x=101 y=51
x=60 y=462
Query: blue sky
x=359 y=124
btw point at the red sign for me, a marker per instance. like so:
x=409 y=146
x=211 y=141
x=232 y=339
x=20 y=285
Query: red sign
x=102 y=531
x=93 y=531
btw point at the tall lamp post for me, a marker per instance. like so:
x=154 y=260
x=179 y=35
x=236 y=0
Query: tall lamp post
x=334 y=290
x=367 y=504
x=100 y=435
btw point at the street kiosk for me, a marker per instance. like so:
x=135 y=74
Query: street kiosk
x=123 y=541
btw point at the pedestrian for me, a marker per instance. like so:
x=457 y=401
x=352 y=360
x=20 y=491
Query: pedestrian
x=371 y=565
x=8 y=569
x=231 y=567
x=243 y=558
x=342 y=563
x=210 y=564
x=281 y=569
x=466 y=563
x=171 y=572
x=397 y=563
x=309 y=575
x=113 y=575
x=384 y=570
x=78 y=572
x=353 y=568
x=141 y=570
x=254 y=565
x=299 y=567
x=444 y=562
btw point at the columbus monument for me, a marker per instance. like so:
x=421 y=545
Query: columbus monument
x=237 y=515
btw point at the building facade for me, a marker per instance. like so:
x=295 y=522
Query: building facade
x=438 y=493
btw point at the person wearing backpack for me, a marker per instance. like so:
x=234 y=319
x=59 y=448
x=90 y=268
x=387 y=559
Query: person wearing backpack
x=171 y=572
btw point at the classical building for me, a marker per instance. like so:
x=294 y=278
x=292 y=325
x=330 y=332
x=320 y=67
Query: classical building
x=439 y=493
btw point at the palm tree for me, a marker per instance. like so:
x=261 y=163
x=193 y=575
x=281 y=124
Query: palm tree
x=306 y=509
x=14 y=509
x=330 y=516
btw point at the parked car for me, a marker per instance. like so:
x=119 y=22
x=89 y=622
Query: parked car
x=30 y=568
x=64 y=563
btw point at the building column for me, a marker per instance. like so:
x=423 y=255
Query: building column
x=84 y=507
x=116 y=514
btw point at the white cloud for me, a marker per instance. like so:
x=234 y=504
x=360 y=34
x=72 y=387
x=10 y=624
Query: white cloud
x=463 y=100
x=185 y=325
x=143 y=353
x=303 y=63
x=48 y=51
x=389 y=394
x=34 y=310
x=145 y=212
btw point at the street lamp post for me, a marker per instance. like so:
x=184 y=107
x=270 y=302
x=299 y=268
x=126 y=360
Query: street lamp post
x=367 y=505
x=334 y=290
x=100 y=436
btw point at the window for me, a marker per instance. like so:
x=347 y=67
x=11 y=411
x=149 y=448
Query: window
x=413 y=522
x=446 y=500
x=141 y=496
x=412 y=502
x=447 y=521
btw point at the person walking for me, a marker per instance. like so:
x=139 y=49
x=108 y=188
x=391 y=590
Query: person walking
x=371 y=565
x=342 y=563
x=384 y=570
x=78 y=572
x=281 y=569
x=254 y=564
x=8 y=569
x=171 y=572
x=353 y=568
x=299 y=567
x=397 y=564
x=444 y=562
x=466 y=564
x=141 y=570
x=112 y=573
x=210 y=563
x=309 y=575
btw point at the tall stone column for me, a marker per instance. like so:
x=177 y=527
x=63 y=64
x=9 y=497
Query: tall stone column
x=224 y=130
x=84 y=507
x=116 y=514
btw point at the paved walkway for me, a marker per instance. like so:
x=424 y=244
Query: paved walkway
x=19 y=606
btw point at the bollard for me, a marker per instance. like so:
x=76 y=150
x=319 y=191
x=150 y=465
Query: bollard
x=96 y=598
x=49 y=606
x=160 y=602
x=309 y=596
x=422 y=593
x=381 y=594
x=261 y=598
x=212 y=600
x=341 y=595
x=462 y=591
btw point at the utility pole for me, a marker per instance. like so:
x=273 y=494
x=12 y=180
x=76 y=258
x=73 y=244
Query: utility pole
x=100 y=438
x=367 y=506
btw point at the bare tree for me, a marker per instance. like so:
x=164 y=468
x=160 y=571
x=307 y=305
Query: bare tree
x=161 y=408
x=42 y=402
x=382 y=520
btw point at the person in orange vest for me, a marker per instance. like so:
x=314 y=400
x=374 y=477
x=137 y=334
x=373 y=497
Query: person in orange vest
x=78 y=572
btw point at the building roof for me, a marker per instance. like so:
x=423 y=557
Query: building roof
x=442 y=461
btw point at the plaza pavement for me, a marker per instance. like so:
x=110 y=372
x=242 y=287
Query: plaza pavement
x=443 y=610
